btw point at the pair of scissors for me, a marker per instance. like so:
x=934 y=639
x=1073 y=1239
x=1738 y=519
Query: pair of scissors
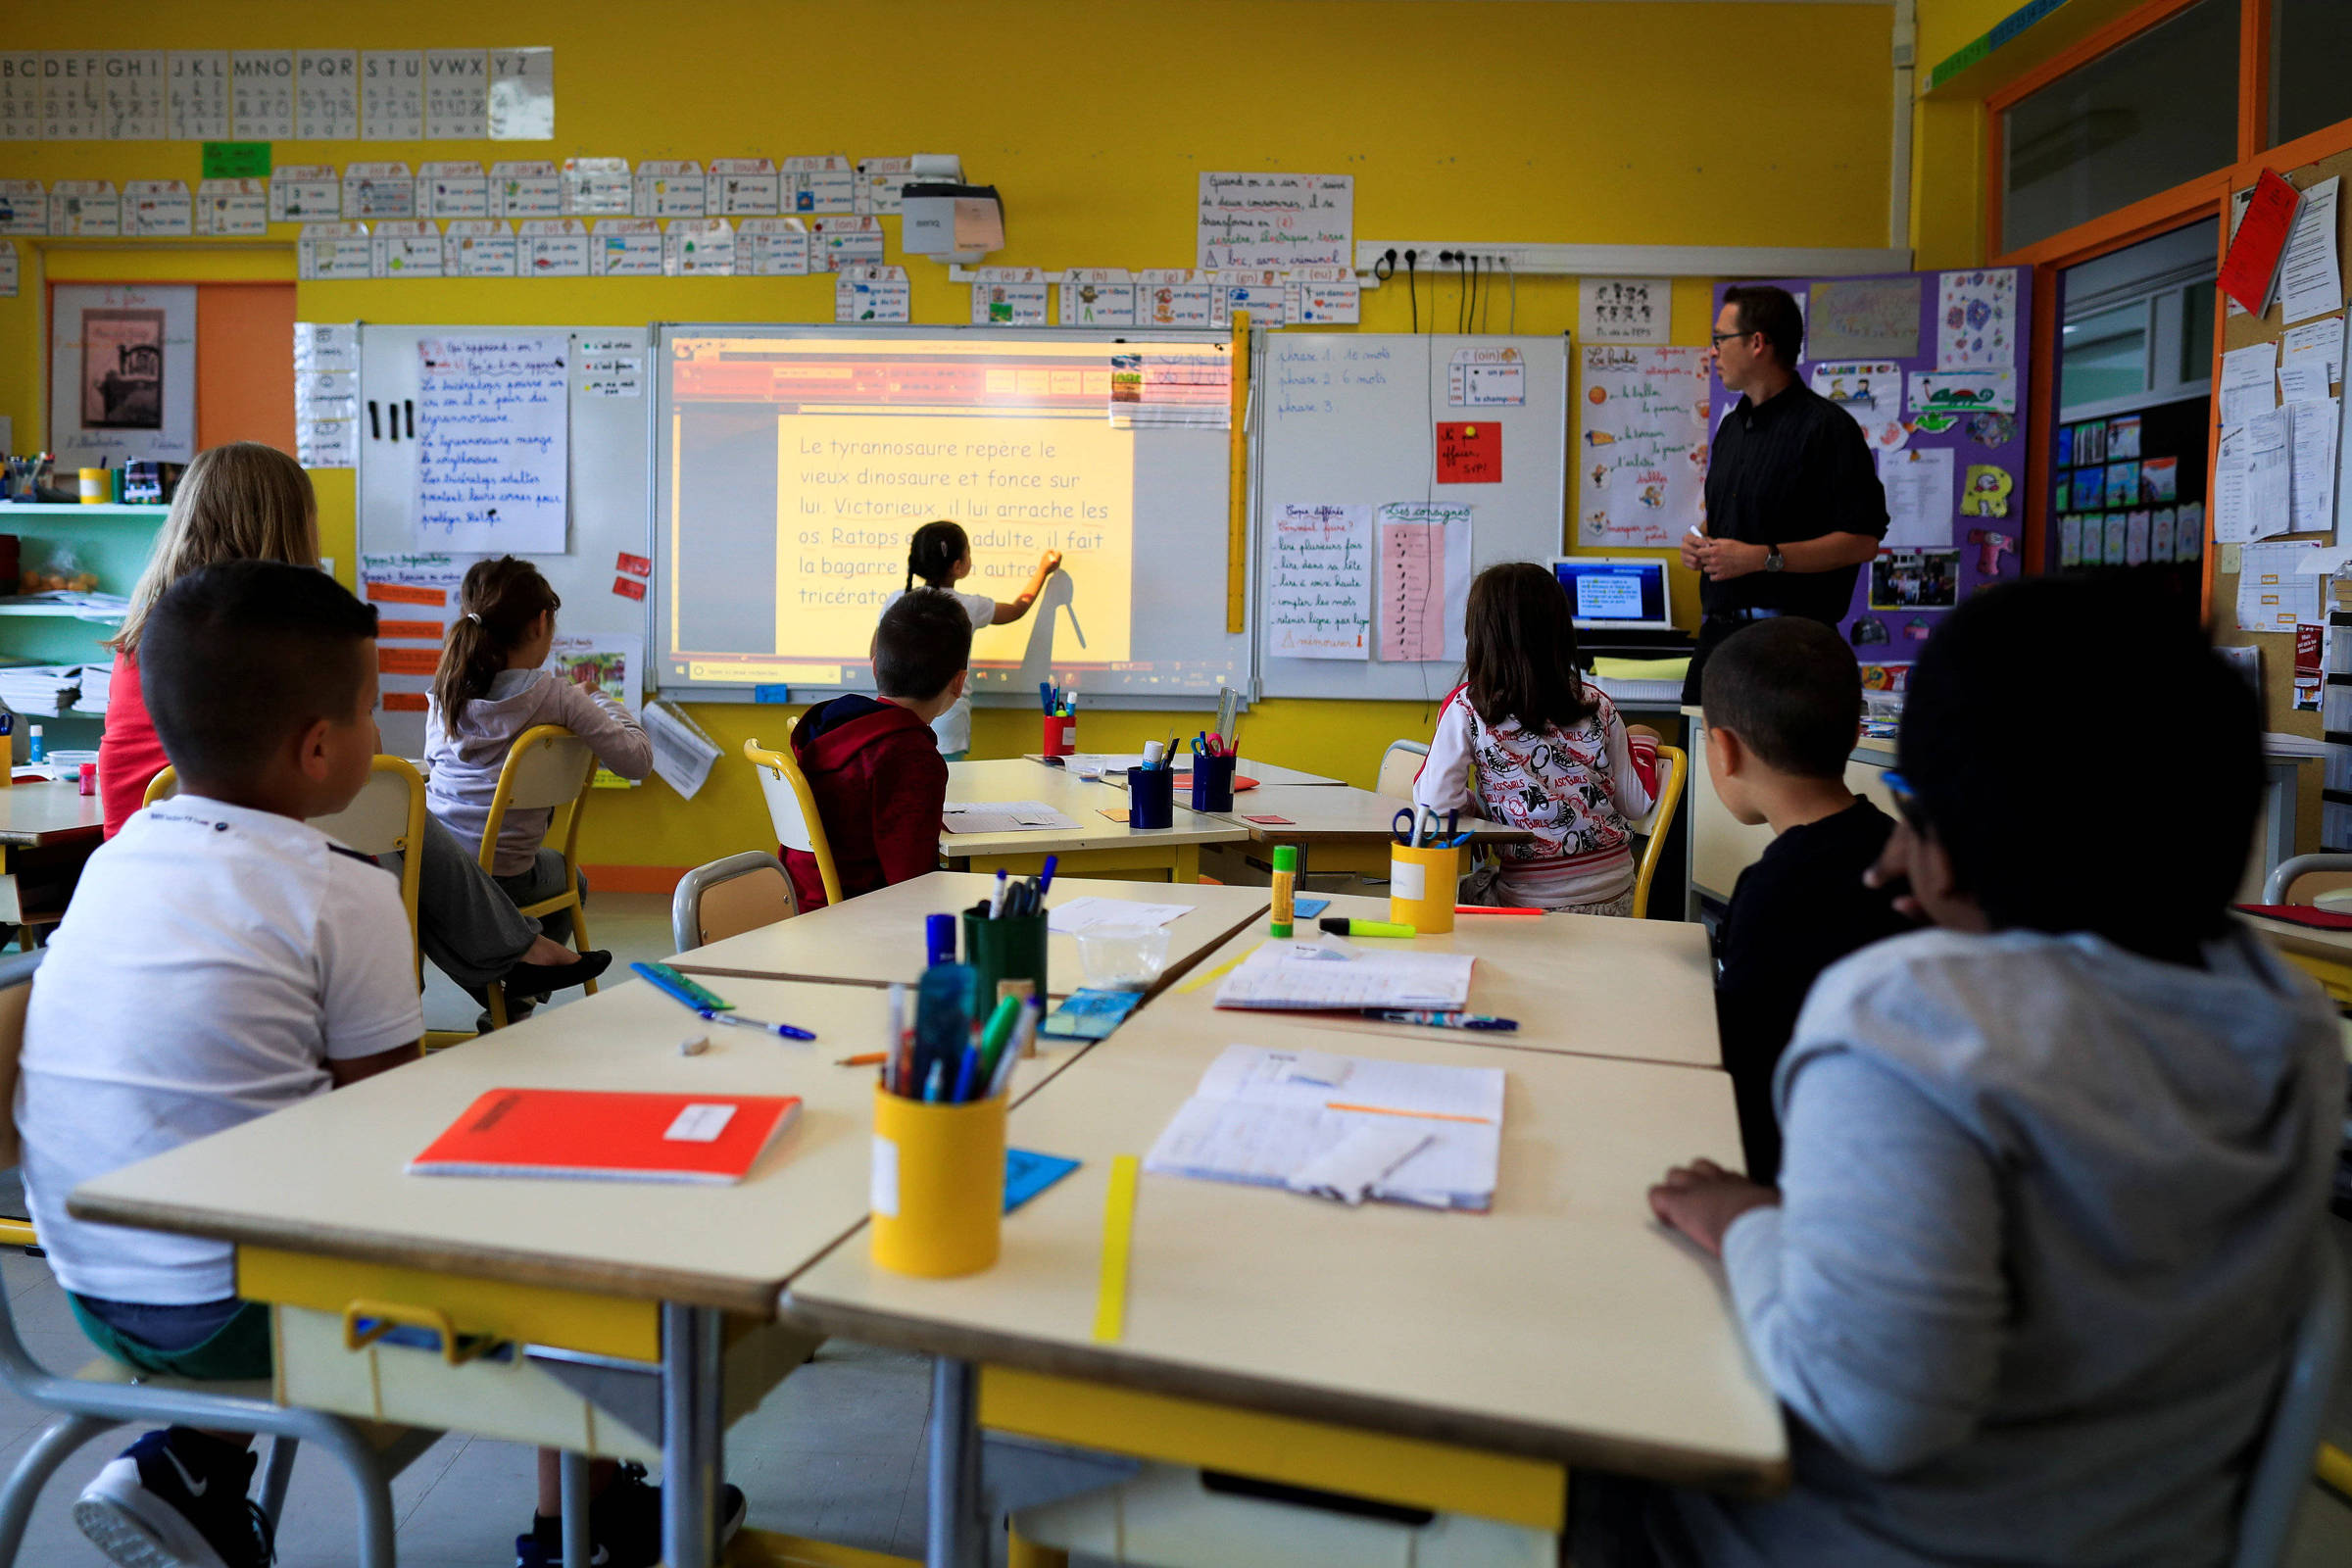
x=1413 y=833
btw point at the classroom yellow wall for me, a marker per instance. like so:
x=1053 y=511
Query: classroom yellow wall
x=1633 y=123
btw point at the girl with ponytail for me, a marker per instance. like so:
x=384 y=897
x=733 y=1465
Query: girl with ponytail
x=938 y=558
x=492 y=686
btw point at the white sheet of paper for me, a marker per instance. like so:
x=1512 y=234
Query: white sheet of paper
x=1090 y=913
x=2311 y=279
x=1920 y=497
x=2314 y=449
x=1001 y=816
x=1304 y=977
x=2321 y=340
x=2249 y=381
x=2269 y=457
x=1320 y=588
x=682 y=753
x=2271 y=595
x=493 y=442
x=2303 y=380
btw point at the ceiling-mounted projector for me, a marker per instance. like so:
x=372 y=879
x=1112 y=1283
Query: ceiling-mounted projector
x=952 y=222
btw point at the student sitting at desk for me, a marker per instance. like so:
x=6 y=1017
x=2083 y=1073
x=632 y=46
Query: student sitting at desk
x=940 y=555
x=1552 y=754
x=1784 y=708
x=493 y=685
x=874 y=764
x=244 y=500
x=2055 y=1171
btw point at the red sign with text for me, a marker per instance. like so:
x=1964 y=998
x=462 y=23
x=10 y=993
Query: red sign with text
x=1470 y=452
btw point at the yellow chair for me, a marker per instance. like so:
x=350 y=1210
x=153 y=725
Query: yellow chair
x=1400 y=767
x=549 y=769
x=729 y=897
x=386 y=817
x=792 y=811
x=1674 y=772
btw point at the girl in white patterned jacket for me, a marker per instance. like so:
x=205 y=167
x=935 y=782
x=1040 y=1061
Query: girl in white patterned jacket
x=1551 y=753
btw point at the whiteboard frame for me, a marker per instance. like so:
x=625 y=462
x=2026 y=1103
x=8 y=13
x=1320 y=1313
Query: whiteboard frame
x=661 y=333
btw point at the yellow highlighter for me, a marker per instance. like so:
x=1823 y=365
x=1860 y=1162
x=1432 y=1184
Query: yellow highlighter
x=1339 y=928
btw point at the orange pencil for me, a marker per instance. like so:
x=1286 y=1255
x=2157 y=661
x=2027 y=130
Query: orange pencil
x=868 y=1058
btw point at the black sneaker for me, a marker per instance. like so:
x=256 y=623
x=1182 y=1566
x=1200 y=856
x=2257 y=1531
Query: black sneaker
x=624 y=1526
x=176 y=1499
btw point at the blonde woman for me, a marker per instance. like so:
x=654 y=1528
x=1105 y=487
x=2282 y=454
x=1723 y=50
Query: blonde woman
x=249 y=502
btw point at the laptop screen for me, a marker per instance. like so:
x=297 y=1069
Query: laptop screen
x=1617 y=593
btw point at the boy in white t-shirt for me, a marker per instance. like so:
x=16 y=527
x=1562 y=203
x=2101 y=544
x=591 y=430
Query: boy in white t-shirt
x=221 y=960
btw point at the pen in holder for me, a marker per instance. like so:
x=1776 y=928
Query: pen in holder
x=1152 y=797
x=1011 y=947
x=1060 y=734
x=1421 y=887
x=938 y=1193
x=1212 y=781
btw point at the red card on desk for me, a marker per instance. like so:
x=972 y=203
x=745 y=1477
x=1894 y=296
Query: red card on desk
x=600 y=1135
x=1269 y=821
x=2300 y=915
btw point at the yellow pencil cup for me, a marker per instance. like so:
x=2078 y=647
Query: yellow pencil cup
x=1421 y=887
x=939 y=1185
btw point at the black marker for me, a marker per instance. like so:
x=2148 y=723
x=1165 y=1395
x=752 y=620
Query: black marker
x=375 y=427
x=411 y=406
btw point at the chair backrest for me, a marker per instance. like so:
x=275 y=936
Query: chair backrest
x=729 y=897
x=547 y=767
x=1400 y=767
x=163 y=786
x=15 y=993
x=386 y=817
x=792 y=810
x=2282 y=1463
x=1674 y=772
x=2284 y=883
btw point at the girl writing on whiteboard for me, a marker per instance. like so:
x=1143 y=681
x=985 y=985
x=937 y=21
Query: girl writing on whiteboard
x=244 y=500
x=1553 y=755
x=938 y=558
x=493 y=684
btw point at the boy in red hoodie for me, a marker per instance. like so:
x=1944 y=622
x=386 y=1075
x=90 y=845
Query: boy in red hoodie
x=872 y=762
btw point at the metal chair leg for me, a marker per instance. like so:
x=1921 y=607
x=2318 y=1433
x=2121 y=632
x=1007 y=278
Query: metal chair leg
x=51 y=1448
x=579 y=930
x=277 y=1477
x=572 y=1472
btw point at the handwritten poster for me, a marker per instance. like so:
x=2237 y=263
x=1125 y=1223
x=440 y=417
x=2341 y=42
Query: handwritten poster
x=493 y=442
x=1425 y=572
x=1975 y=319
x=1320 y=589
x=1863 y=319
x=1645 y=445
x=1624 y=310
x=1274 y=220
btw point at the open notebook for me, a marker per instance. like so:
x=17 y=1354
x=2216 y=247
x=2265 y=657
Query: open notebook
x=1341 y=1127
x=1333 y=976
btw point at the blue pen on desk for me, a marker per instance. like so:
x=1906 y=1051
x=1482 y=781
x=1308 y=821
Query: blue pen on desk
x=1045 y=878
x=782 y=1031
x=1443 y=1020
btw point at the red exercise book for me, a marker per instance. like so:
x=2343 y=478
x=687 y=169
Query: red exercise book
x=2300 y=915
x=2250 y=267
x=610 y=1137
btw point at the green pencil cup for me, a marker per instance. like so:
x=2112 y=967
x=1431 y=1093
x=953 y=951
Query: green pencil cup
x=1009 y=949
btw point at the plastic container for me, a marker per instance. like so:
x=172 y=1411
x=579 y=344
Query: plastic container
x=938 y=1187
x=1421 y=887
x=38 y=753
x=1011 y=948
x=97 y=487
x=1123 y=958
x=1060 y=734
x=88 y=780
x=1150 y=797
x=1212 y=783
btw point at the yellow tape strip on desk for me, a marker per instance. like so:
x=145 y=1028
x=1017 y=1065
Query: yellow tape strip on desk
x=1118 y=1233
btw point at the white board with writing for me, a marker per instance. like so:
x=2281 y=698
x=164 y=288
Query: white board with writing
x=1352 y=420
x=493 y=441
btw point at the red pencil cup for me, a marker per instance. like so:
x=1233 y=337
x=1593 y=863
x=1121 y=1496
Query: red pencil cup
x=89 y=778
x=1061 y=734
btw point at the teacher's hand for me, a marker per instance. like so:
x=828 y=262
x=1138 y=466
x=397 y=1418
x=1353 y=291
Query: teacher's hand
x=1725 y=559
x=1693 y=542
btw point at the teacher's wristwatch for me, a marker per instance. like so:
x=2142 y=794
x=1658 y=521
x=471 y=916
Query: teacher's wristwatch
x=1773 y=560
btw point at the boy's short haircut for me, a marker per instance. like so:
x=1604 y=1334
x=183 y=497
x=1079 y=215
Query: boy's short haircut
x=2088 y=761
x=1791 y=690
x=239 y=658
x=923 y=639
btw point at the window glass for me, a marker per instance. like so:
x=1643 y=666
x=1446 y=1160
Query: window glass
x=2138 y=120
x=2310 y=88
x=2103 y=356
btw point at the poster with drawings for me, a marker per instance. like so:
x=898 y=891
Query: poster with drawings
x=1976 y=320
x=1872 y=391
x=1643 y=447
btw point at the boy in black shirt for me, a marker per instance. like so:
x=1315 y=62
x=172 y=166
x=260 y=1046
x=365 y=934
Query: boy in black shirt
x=1783 y=701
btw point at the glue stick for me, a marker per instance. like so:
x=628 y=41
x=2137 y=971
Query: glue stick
x=1285 y=889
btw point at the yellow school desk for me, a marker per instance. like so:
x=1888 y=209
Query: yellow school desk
x=2325 y=956
x=1342 y=828
x=1456 y=1362
x=1096 y=845
x=645 y=1311
x=1580 y=984
x=1246 y=767
x=47 y=829
x=877 y=937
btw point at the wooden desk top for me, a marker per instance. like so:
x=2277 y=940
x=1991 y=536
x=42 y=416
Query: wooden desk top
x=1565 y=1324
x=51 y=812
x=1580 y=984
x=327 y=1176
x=1083 y=802
x=878 y=937
x=1340 y=812
x=1248 y=766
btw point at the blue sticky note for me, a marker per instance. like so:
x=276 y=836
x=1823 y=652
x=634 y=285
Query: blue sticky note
x=1028 y=1173
x=771 y=694
x=1308 y=909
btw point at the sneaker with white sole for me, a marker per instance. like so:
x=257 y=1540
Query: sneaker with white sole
x=624 y=1526
x=176 y=1499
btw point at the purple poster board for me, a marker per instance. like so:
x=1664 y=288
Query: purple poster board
x=1933 y=367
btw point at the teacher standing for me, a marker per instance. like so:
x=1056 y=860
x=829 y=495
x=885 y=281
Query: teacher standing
x=1795 y=506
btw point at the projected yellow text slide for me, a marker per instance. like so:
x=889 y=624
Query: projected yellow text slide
x=852 y=489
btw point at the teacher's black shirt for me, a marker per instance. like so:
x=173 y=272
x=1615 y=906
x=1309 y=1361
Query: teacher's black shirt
x=1795 y=467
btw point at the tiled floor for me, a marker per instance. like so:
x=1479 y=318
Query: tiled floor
x=835 y=1453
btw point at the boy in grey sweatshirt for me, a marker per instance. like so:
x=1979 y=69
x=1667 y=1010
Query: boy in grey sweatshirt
x=2056 y=1172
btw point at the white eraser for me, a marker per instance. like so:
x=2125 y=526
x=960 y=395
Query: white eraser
x=694 y=1045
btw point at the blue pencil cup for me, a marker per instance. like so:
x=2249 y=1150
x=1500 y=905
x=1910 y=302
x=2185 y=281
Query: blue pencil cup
x=1150 y=797
x=1212 y=783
